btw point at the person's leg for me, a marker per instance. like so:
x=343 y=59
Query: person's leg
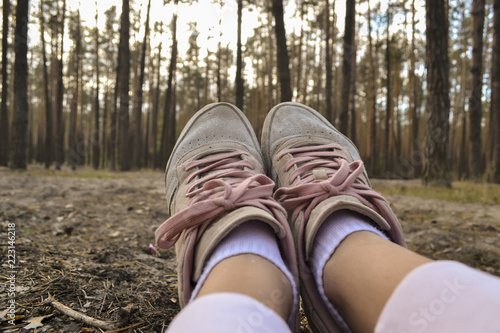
x=362 y=274
x=254 y=276
x=231 y=237
x=248 y=261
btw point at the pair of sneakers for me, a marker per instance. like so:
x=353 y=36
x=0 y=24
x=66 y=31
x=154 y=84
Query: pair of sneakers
x=217 y=178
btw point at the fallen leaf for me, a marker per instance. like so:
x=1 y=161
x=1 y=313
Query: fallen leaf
x=34 y=322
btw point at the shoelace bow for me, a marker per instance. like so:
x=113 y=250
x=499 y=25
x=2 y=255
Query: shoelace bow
x=225 y=182
x=343 y=179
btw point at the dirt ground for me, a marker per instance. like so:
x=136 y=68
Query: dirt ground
x=83 y=238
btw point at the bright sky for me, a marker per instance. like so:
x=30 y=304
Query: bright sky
x=204 y=13
x=207 y=16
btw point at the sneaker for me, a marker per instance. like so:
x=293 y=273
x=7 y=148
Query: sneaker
x=318 y=171
x=215 y=181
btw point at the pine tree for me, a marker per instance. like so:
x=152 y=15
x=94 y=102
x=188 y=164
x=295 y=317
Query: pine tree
x=20 y=118
x=437 y=158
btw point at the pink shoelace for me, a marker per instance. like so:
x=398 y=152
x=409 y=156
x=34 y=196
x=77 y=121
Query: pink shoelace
x=342 y=178
x=224 y=182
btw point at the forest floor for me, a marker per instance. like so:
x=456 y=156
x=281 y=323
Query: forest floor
x=83 y=237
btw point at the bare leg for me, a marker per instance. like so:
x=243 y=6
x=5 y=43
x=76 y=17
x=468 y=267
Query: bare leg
x=361 y=275
x=254 y=276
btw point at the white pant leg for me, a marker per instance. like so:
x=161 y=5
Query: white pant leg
x=227 y=312
x=443 y=296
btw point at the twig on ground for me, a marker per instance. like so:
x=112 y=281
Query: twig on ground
x=107 y=325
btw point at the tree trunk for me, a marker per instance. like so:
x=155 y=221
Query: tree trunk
x=169 y=111
x=48 y=105
x=475 y=103
x=124 y=50
x=347 y=64
x=4 y=118
x=270 y=65
x=113 y=126
x=239 y=61
x=299 y=53
x=388 y=99
x=413 y=147
x=59 y=142
x=494 y=172
x=282 y=52
x=436 y=161
x=96 y=154
x=20 y=118
x=74 y=155
x=372 y=102
x=352 y=98
x=328 y=64
x=154 y=116
x=136 y=134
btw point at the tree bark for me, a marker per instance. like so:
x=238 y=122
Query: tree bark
x=372 y=102
x=347 y=65
x=494 y=172
x=124 y=50
x=352 y=99
x=96 y=153
x=437 y=157
x=20 y=118
x=136 y=134
x=239 y=61
x=4 y=114
x=283 y=58
x=475 y=98
x=156 y=106
x=74 y=155
x=328 y=64
x=48 y=156
x=169 y=111
x=59 y=130
x=388 y=99
x=413 y=148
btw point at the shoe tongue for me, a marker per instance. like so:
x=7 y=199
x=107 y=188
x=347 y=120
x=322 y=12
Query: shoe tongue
x=320 y=174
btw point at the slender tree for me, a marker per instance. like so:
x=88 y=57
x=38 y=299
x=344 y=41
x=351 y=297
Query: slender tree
x=96 y=152
x=4 y=119
x=494 y=171
x=239 y=60
x=113 y=117
x=476 y=93
x=59 y=128
x=156 y=105
x=282 y=52
x=74 y=155
x=123 y=111
x=20 y=118
x=372 y=100
x=437 y=158
x=347 y=60
x=413 y=148
x=388 y=100
x=352 y=98
x=328 y=64
x=136 y=134
x=48 y=105
x=169 y=111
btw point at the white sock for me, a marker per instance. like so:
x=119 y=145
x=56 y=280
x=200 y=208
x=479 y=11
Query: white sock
x=253 y=237
x=332 y=232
